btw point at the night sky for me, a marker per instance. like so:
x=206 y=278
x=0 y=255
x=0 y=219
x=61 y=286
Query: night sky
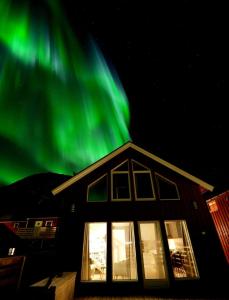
x=171 y=58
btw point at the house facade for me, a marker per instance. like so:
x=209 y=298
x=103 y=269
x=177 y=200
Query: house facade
x=134 y=223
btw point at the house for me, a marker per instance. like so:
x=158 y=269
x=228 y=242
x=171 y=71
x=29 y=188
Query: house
x=35 y=240
x=219 y=209
x=42 y=229
x=135 y=223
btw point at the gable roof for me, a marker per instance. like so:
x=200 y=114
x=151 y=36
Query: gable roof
x=121 y=149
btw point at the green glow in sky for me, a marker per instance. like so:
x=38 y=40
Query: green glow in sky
x=61 y=109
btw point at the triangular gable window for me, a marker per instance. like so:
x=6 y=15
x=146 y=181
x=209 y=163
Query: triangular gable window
x=143 y=184
x=138 y=167
x=97 y=190
x=121 y=182
x=123 y=167
x=167 y=189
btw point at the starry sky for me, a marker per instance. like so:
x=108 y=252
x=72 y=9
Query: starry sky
x=172 y=60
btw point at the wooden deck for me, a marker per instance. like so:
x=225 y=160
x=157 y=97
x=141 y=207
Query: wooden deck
x=122 y=298
x=146 y=298
x=125 y=298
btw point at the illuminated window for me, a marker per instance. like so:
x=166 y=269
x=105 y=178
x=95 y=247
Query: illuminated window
x=212 y=206
x=38 y=223
x=124 y=265
x=94 y=259
x=142 y=182
x=97 y=191
x=94 y=266
x=121 y=182
x=152 y=251
x=48 y=223
x=11 y=251
x=167 y=189
x=181 y=252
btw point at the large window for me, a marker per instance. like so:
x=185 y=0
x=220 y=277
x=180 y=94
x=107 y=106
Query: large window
x=152 y=251
x=181 y=252
x=142 y=182
x=144 y=185
x=94 y=259
x=124 y=266
x=121 y=182
x=94 y=266
x=97 y=190
x=167 y=189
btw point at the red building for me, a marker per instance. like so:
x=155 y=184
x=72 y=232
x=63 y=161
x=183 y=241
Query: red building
x=219 y=209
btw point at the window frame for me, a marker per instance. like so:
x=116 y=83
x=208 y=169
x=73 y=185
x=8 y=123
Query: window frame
x=86 y=234
x=135 y=252
x=187 y=236
x=113 y=171
x=170 y=181
x=153 y=282
x=49 y=223
x=94 y=183
x=135 y=186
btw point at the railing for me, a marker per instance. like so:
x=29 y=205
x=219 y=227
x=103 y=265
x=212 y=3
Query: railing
x=183 y=262
x=10 y=272
x=36 y=233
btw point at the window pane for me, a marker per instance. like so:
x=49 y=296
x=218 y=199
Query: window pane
x=94 y=252
x=143 y=186
x=123 y=252
x=121 y=188
x=181 y=252
x=152 y=250
x=97 y=191
x=167 y=189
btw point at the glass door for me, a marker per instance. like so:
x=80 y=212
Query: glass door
x=181 y=252
x=124 y=265
x=152 y=254
x=94 y=261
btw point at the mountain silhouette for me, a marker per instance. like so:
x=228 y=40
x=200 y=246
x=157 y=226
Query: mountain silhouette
x=31 y=197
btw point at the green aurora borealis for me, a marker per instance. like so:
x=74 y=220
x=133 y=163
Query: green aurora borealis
x=61 y=108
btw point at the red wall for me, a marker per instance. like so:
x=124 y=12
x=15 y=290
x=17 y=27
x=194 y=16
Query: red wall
x=219 y=209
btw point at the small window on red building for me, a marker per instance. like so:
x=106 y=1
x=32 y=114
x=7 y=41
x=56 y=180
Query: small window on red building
x=212 y=206
x=48 y=223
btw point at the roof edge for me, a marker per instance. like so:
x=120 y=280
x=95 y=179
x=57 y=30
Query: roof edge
x=90 y=168
x=225 y=193
x=119 y=150
x=202 y=183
